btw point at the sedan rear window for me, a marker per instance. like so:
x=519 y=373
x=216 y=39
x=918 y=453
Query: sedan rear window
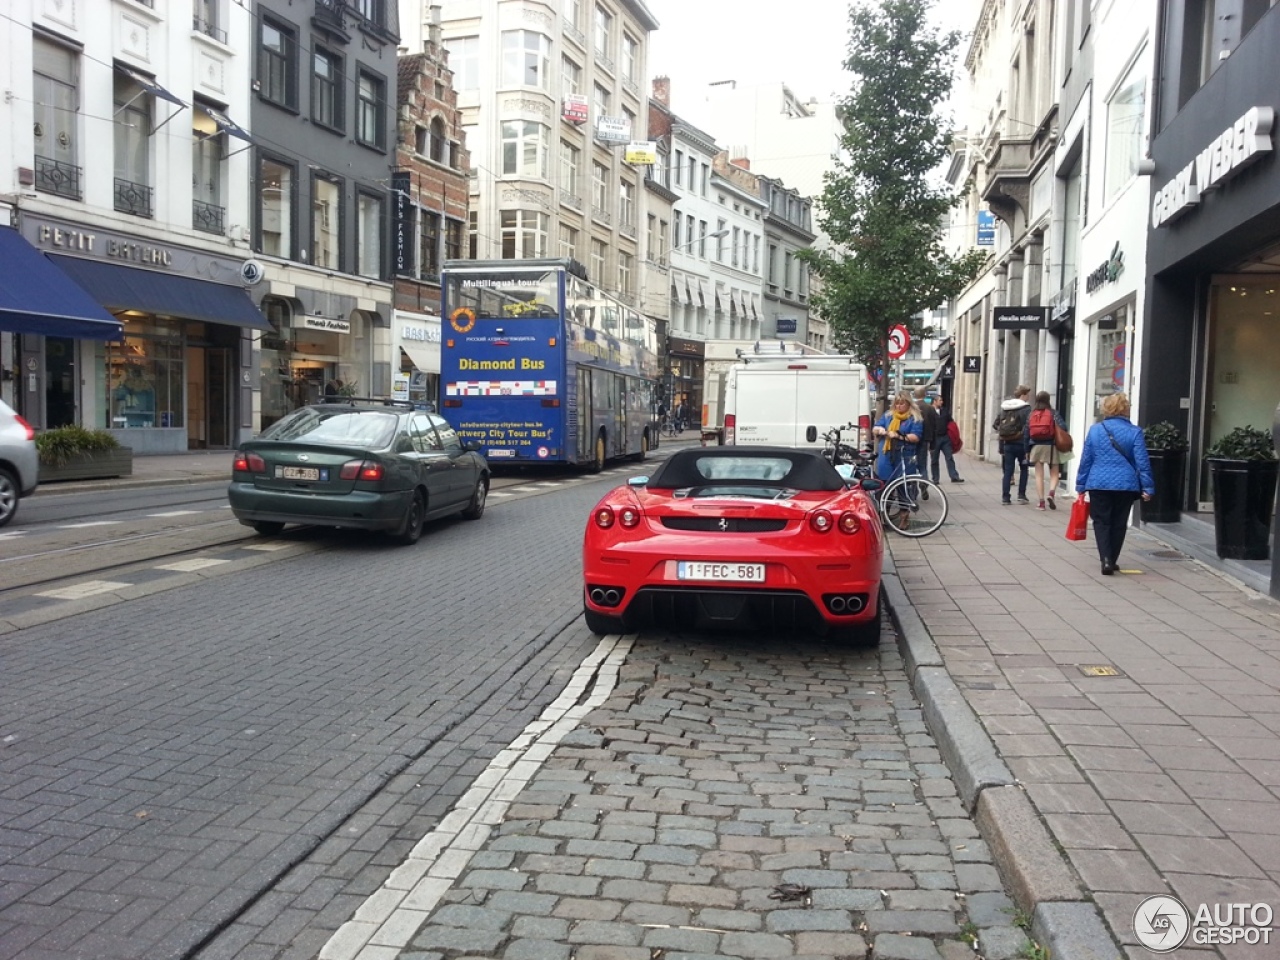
x=350 y=428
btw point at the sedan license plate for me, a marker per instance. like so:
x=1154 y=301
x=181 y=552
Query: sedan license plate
x=302 y=473
x=720 y=572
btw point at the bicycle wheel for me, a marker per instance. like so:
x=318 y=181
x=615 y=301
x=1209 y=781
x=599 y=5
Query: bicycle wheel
x=913 y=506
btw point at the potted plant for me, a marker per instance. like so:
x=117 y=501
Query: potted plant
x=1243 y=466
x=1167 y=446
x=74 y=452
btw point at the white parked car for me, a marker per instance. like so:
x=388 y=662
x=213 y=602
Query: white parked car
x=19 y=466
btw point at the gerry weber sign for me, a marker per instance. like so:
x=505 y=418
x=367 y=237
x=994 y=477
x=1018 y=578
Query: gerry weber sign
x=1234 y=149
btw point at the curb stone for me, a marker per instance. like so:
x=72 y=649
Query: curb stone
x=1069 y=926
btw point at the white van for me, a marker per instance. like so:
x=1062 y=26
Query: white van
x=792 y=402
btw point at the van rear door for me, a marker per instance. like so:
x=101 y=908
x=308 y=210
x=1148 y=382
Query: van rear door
x=766 y=409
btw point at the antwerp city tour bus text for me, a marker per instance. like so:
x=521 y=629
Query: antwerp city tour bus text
x=539 y=366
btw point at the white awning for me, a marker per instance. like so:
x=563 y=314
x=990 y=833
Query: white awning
x=704 y=293
x=425 y=356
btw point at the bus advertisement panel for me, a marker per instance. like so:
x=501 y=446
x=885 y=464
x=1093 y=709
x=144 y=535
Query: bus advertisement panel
x=539 y=366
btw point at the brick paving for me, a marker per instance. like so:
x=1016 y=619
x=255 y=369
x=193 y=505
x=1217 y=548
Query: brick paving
x=722 y=778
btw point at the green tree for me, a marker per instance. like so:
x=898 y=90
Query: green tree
x=884 y=206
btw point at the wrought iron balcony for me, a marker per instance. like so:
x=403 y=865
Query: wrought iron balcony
x=207 y=217
x=56 y=177
x=208 y=29
x=133 y=198
x=627 y=230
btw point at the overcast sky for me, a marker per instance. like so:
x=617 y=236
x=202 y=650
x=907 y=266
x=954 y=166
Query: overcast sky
x=799 y=42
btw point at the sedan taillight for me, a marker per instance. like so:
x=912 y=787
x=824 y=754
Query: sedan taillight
x=604 y=518
x=248 y=463
x=820 y=521
x=361 y=470
x=849 y=522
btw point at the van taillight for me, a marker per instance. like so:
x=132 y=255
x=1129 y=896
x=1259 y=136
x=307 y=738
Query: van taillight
x=864 y=431
x=730 y=425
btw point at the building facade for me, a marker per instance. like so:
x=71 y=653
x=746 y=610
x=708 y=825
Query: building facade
x=129 y=169
x=788 y=228
x=430 y=203
x=324 y=89
x=1213 y=224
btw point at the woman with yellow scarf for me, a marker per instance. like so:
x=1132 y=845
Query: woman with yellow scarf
x=896 y=435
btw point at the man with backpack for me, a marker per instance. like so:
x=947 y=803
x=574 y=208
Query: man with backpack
x=1010 y=426
x=946 y=442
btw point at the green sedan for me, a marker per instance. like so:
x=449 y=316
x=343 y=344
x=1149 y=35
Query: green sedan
x=364 y=464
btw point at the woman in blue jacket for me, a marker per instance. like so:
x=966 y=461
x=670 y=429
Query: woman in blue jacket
x=896 y=435
x=1114 y=471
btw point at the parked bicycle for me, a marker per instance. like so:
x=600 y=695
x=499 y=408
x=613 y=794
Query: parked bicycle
x=910 y=504
x=837 y=451
x=671 y=426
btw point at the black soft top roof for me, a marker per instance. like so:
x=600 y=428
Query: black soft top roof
x=697 y=467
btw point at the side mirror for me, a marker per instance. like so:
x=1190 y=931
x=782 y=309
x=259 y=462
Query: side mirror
x=810 y=434
x=471 y=446
x=637 y=481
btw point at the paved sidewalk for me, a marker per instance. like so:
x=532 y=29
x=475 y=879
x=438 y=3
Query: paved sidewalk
x=1162 y=776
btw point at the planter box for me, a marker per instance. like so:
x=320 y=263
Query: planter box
x=91 y=466
x=1244 y=494
x=1166 y=506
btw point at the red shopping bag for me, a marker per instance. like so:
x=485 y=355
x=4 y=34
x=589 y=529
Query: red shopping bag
x=1078 y=522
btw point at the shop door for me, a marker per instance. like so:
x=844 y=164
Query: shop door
x=59 y=381
x=209 y=393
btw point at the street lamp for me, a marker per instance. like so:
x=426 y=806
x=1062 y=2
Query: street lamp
x=713 y=235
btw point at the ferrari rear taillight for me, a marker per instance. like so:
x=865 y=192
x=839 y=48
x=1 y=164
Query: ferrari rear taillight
x=604 y=518
x=629 y=517
x=820 y=521
x=849 y=522
x=361 y=470
x=26 y=427
x=248 y=463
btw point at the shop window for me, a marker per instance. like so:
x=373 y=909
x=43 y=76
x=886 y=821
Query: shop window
x=1125 y=120
x=369 y=235
x=275 y=208
x=1110 y=359
x=145 y=377
x=326 y=222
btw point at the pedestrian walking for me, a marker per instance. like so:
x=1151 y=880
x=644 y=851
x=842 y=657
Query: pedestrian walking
x=1042 y=447
x=897 y=432
x=682 y=416
x=928 y=417
x=1010 y=426
x=1114 y=471
x=943 y=443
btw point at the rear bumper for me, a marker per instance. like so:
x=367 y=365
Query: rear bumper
x=357 y=510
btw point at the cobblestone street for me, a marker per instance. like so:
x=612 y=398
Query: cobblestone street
x=732 y=798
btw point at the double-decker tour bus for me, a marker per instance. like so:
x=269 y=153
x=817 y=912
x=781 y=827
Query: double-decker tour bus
x=539 y=366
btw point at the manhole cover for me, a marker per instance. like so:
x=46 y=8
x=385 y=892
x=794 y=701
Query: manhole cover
x=1100 y=670
x=1170 y=555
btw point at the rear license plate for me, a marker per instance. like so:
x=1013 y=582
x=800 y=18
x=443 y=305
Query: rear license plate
x=720 y=572
x=302 y=473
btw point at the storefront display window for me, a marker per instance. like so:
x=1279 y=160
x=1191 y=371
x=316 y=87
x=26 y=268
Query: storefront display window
x=274 y=360
x=1111 y=352
x=145 y=377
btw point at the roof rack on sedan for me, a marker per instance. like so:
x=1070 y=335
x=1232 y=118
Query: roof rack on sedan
x=381 y=401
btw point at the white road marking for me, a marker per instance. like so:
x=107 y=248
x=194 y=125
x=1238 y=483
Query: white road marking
x=190 y=566
x=12 y=534
x=80 y=590
x=389 y=919
x=90 y=523
x=266 y=546
x=175 y=513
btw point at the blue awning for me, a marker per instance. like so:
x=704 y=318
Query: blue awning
x=128 y=288
x=37 y=297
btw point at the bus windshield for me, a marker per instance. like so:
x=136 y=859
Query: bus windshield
x=505 y=297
